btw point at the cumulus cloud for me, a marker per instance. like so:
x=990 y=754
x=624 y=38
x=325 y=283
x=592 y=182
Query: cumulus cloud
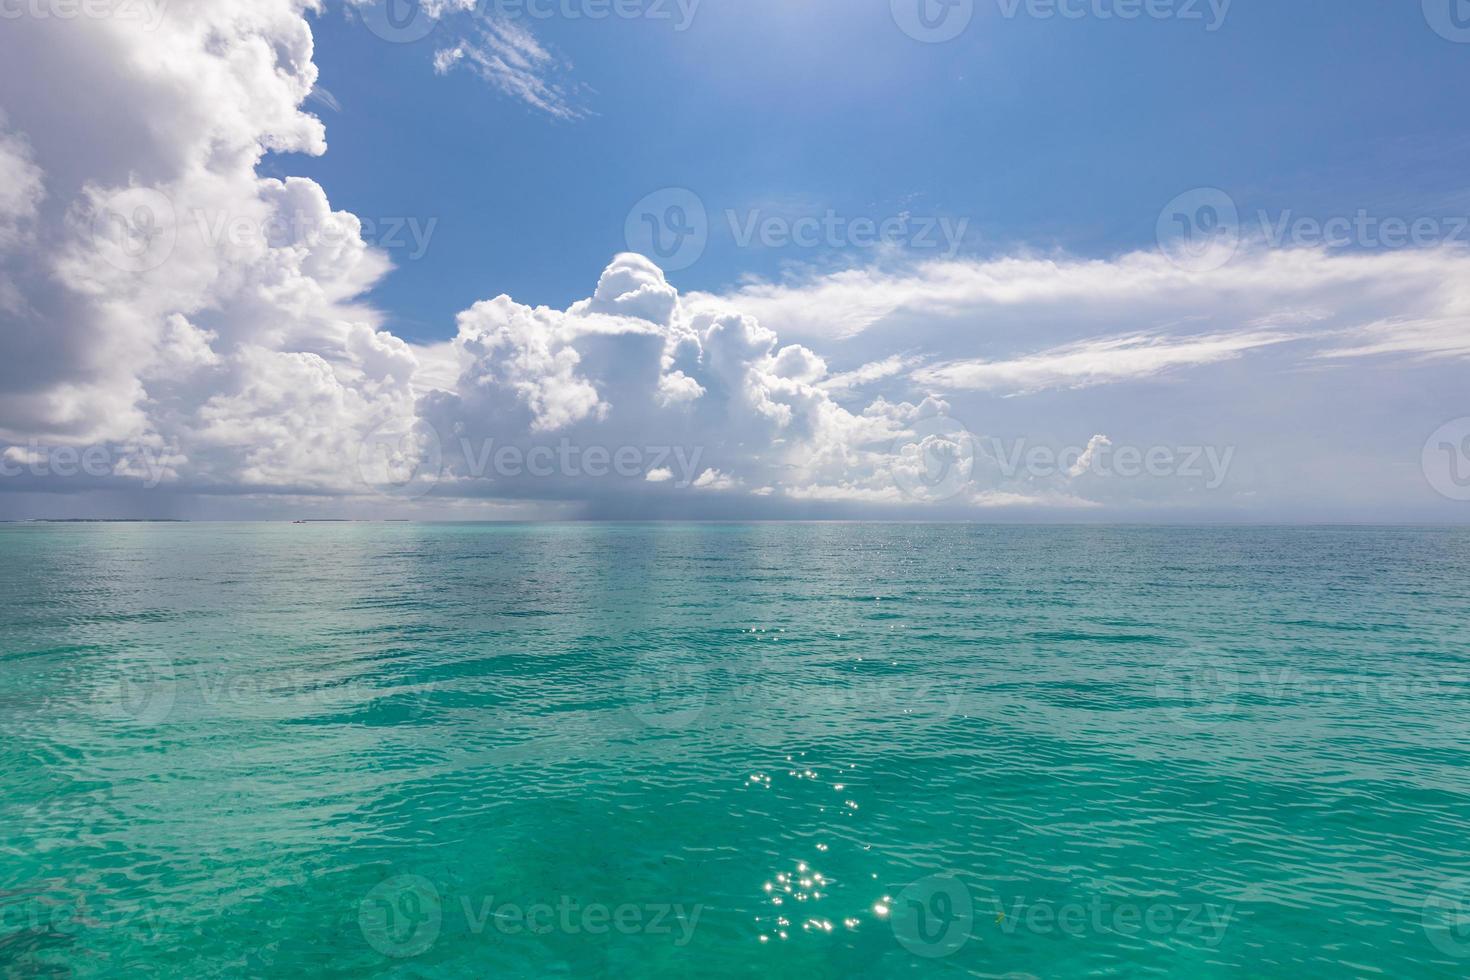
x=715 y=480
x=707 y=400
x=170 y=299
x=168 y=295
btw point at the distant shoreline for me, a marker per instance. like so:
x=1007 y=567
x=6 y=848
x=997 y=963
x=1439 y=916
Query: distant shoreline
x=102 y=520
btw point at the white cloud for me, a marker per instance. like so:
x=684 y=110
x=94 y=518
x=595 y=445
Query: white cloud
x=715 y=480
x=1418 y=297
x=500 y=51
x=508 y=57
x=873 y=371
x=172 y=296
x=1084 y=461
x=1427 y=337
x=1106 y=360
x=630 y=367
x=21 y=187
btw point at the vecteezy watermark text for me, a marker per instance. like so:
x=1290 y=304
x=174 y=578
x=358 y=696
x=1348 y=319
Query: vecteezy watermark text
x=146 y=12
x=151 y=464
x=144 y=687
x=77 y=916
x=940 y=458
x=1201 y=688
x=403 y=917
x=939 y=915
x=1203 y=229
x=656 y=464
x=1100 y=457
x=1362 y=229
x=672 y=226
x=407 y=233
x=832 y=230
x=407 y=457
x=137 y=229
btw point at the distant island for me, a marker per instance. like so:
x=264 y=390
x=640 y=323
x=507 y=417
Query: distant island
x=107 y=520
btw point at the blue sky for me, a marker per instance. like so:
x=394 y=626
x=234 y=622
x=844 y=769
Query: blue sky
x=1041 y=132
x=960 y=259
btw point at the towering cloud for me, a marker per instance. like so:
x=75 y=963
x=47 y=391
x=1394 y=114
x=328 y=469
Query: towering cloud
x=164 y=299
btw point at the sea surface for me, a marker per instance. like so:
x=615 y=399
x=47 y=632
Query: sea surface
x=769 y=750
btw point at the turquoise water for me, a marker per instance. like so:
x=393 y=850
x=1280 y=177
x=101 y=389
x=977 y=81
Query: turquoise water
x=733 y=750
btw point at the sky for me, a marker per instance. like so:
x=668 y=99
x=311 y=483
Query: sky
x=993 y=260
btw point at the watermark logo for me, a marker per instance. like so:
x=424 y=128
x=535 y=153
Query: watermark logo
x=146 y=687
x=1198 y=688
x=665 y=691
x=1446 y=459
x=934 y=916
x=1450 y=19
x=135 y=230
x=670 y=226
x=1199 y=230
x=1446 y=918
x=401 y=458
x=398 y=21
x=932 y=21
x=935 y=461
x=401 y=917
x=938 y=915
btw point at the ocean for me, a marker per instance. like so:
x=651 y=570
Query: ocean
x=733 y=750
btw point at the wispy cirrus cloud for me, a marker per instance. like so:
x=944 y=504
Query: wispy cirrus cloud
x=1408 y=301
x=511 y=60
x=871 y=373
x=475 y=36
x=1105 y=360
x=1423 y=337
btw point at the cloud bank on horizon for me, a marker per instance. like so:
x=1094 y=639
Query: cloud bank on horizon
x=181 y=333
